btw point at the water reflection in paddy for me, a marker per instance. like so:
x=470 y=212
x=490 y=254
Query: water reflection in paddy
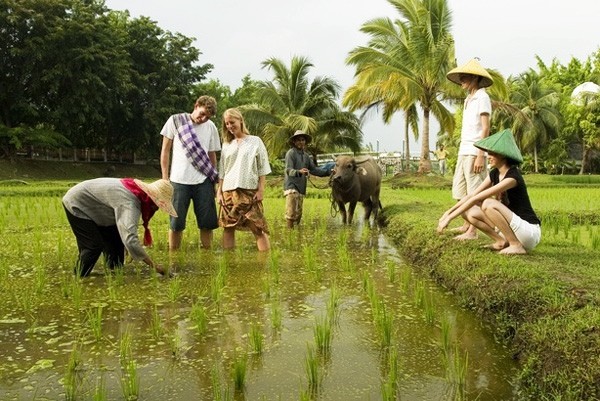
x=186 y=333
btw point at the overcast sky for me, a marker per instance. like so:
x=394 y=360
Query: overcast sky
x=236 y=36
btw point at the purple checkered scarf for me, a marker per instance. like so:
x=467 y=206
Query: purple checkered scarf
x=193 y=149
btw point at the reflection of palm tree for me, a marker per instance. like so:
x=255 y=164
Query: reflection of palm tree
x=538 y=119
x=290 y=102
x=405 y=63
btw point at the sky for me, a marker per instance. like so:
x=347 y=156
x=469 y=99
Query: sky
x=235 y=36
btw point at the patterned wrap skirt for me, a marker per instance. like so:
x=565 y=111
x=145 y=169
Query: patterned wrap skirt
x=242 y=212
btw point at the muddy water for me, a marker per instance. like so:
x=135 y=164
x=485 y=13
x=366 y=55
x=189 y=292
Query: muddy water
x=279 y=295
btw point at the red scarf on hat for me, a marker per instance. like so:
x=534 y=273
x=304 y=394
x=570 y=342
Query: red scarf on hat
x=148 y=207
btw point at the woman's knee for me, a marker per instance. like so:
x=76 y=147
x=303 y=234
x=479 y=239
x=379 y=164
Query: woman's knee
x=489 y=203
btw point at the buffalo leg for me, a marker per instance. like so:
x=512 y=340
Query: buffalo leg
x=342 y=211
x=351 y=208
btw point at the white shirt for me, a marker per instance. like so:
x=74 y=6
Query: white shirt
x=241 y=163
x=476 y=105
x=182 y=171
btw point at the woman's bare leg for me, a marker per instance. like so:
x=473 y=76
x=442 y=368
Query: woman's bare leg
x=228 y=238
x=262 y=242
x=500 y=216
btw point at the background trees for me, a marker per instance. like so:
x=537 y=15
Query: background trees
x=75 y=74
x=405 y=63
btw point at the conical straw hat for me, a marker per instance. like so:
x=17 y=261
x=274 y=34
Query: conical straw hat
x=474 y=68
x=502 y=143
x=298 y=134
x=161 y=192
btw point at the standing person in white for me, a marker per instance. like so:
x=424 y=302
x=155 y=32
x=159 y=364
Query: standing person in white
x=471 y=167
x=193 y=140
x=243 y=167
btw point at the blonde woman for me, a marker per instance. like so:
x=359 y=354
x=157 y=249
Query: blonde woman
x=243 y=166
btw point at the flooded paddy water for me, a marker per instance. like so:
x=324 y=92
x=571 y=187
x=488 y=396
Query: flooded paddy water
x=331 y=313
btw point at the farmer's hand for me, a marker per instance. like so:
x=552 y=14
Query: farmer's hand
x=162 y=271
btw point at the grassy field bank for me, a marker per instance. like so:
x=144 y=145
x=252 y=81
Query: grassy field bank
x=545 y=305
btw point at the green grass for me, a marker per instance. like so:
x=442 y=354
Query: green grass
x=542 y=305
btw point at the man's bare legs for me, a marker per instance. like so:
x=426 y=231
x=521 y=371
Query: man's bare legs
x=175 y=238
x=206 y=237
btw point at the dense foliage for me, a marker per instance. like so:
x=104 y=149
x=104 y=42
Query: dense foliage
x=74 y=73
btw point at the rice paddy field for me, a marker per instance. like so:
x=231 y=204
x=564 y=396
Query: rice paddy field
x=330 y=313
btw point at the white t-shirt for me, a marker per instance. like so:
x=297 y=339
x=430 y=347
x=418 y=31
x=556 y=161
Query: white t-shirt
x=182 y=171
x=475 y=106
x=241 y=163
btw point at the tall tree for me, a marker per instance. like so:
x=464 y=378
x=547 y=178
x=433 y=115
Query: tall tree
x=405 y=63
x=291 y=102
x=538 y=120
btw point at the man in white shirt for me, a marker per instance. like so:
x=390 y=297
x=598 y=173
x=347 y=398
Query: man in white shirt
x=471 y=167
x=193 y=140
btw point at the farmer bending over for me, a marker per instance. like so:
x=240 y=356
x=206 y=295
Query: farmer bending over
x=104 y=214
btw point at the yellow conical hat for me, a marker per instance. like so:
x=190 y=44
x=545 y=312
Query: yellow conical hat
x=474 y=68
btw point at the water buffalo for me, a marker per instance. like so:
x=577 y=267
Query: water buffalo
x=356 y=180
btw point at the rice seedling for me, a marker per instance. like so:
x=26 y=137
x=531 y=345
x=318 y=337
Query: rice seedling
x=266 y=286
x=345 y=259
x=429 y=310
x=333 y=304
x=94 y=318
x=156 y=326
x=75 y=291
x=111 y=287
x=419 y=294
x=390 y=266
x=119 y=275
x=390 y=384
x=405 y=279
x=176 y=346
x=310 y=260
x=40 y=278
x=456 y=374
x=199 y=317
x=276 y=313
x=312 y=369
x=274 y=268
x=130 y=381
x=73 y=379
x=323 y=333
x=256 y=339
x=385 y=324
x=174 y=289
x=239 y=370
x=100 y=392
x=219 y=393
x=125 y=351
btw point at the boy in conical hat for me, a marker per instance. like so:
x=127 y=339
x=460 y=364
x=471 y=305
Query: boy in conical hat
x=500 y=206
x=470 y=168
x=104 y=214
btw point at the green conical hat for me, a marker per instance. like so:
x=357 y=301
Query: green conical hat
x=502 y=143
x=473 y=68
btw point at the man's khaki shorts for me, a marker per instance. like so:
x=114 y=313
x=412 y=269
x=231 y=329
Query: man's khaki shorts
x=465 y=181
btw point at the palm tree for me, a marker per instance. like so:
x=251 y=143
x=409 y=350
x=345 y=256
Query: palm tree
x=405 y=63
x=290 y=102
x=538 y=119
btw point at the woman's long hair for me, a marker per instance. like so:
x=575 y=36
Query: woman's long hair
x=227 y=136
